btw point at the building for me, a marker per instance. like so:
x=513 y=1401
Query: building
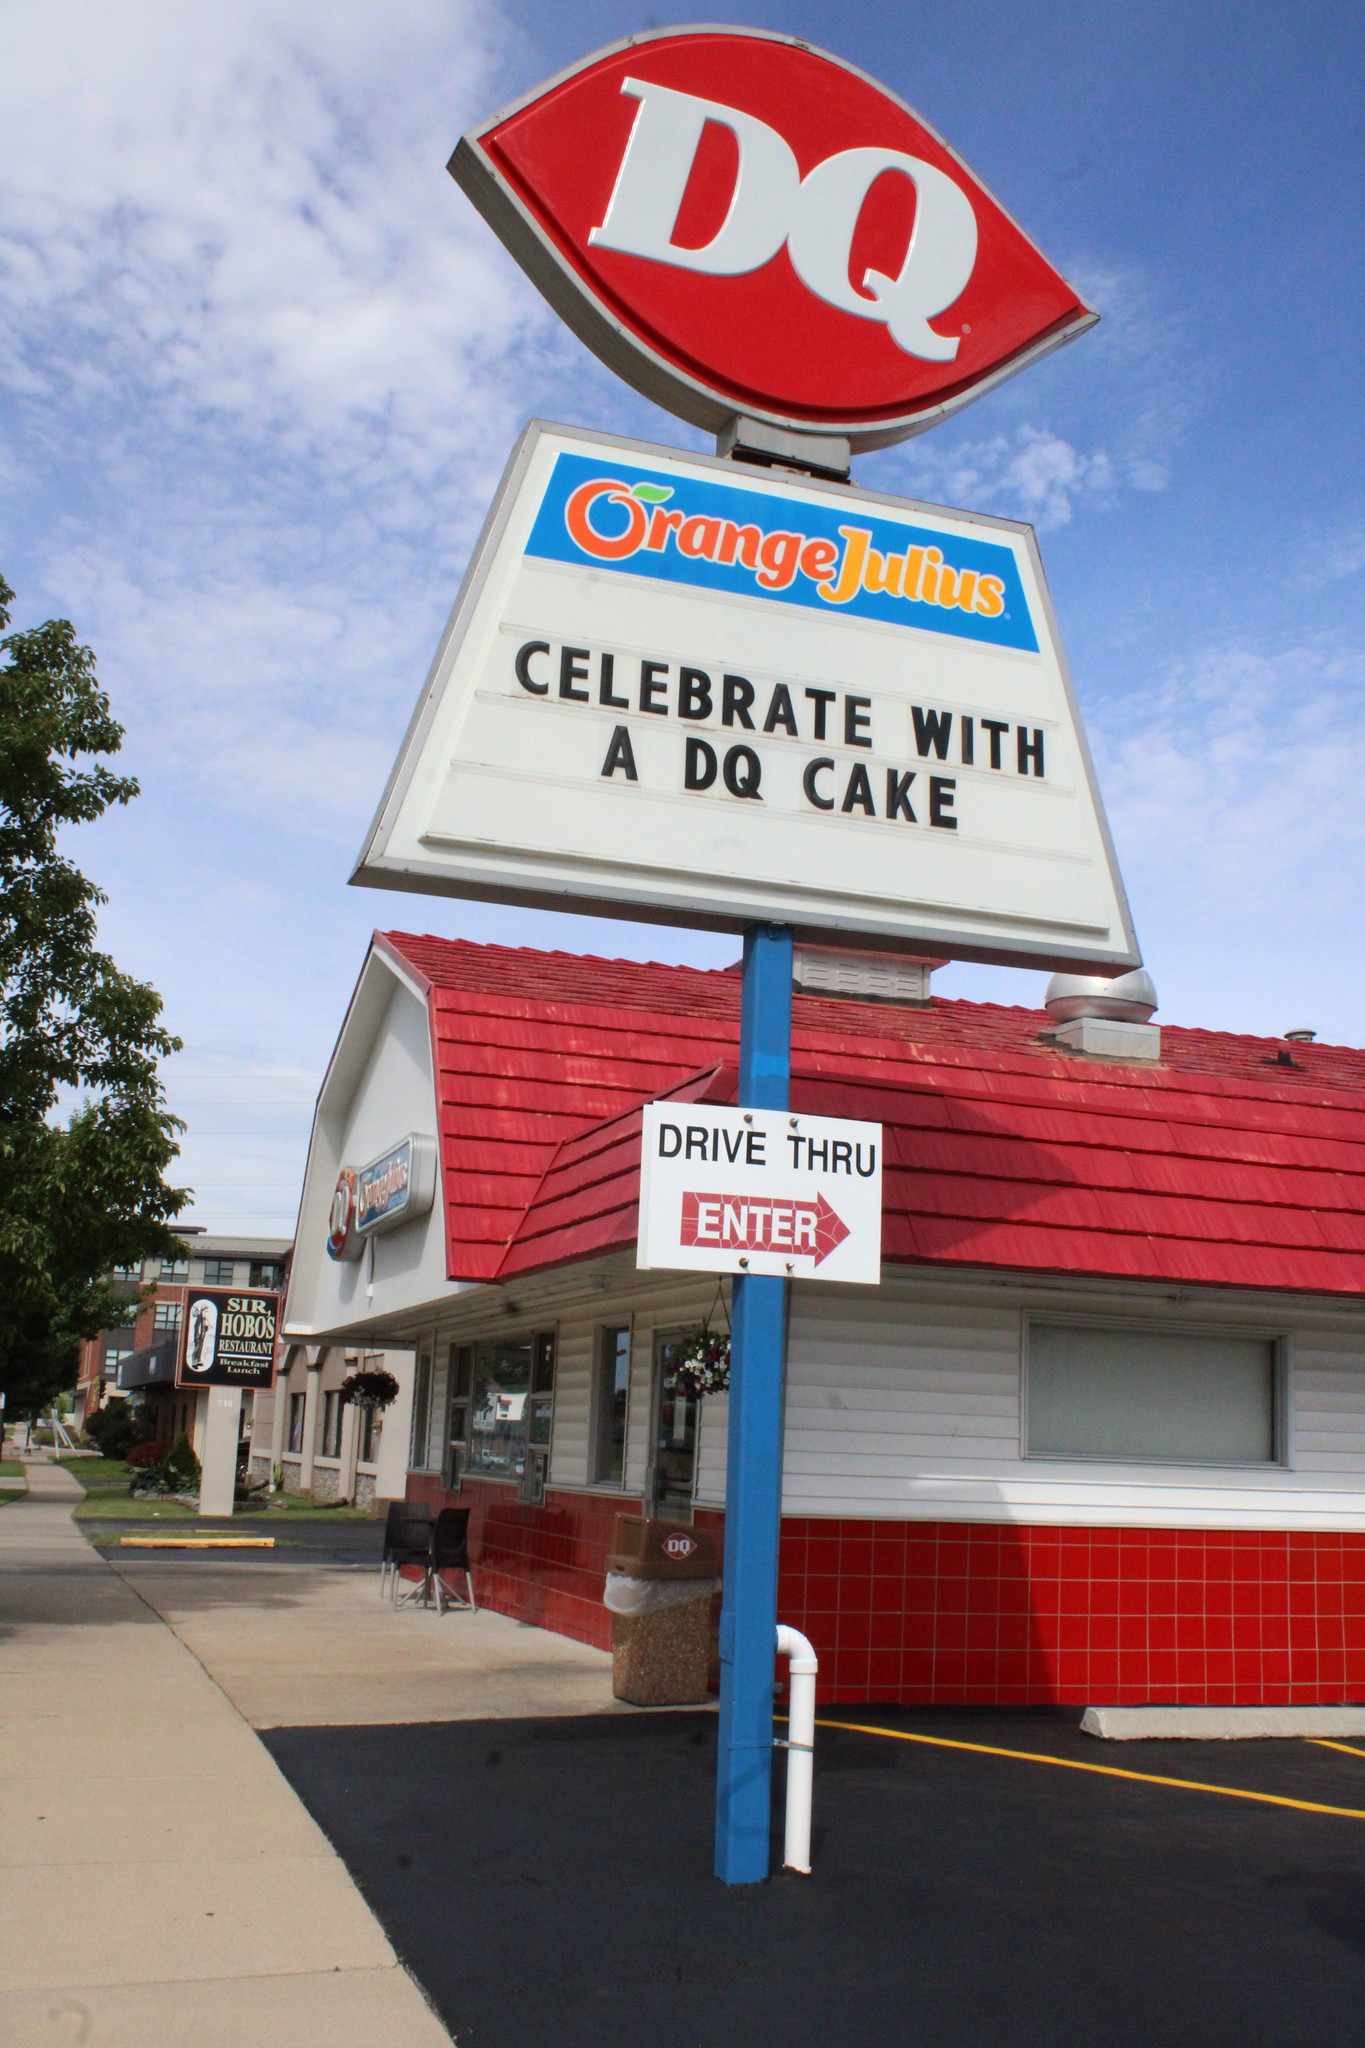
x=1099 y=1434
x=138 y=1358
x=312 y=1443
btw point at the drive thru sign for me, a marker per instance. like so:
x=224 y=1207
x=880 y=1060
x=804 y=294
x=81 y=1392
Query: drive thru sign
x=760 y=1191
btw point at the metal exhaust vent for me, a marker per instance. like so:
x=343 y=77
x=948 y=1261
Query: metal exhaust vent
x=867 y=977
x=1102 y=1018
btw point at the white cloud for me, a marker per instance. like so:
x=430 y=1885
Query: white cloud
x=1234 y=791
x=1134 y=374
x=1330 y=558
x=1030 y=472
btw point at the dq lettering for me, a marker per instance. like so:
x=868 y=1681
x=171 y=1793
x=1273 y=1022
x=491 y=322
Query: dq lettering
x=772 y=205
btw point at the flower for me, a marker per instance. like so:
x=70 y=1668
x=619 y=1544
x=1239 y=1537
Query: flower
x=370 y=1389
x=703 y=1365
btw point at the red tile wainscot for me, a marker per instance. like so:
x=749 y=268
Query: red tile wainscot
x=959 y=1613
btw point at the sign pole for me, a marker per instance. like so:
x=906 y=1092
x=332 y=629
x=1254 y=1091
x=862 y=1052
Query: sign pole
x=218 y=1467
x=753 y=1491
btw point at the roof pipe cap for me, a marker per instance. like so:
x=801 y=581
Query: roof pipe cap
x=1126 y=999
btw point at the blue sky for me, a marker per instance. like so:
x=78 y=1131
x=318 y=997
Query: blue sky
x=260 y=365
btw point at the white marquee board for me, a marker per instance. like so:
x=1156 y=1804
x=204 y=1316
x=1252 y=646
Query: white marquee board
x=760 y=1191
x=693 y=691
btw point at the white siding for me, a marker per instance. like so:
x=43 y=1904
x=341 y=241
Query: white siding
x=575 y=1347
x=1329 y=1405
x=907 y=1401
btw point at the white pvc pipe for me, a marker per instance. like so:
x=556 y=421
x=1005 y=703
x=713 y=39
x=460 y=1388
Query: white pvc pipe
x=802 y=1665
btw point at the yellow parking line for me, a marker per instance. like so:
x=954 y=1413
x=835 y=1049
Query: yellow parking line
x=1321 y=1742
x=1066 y=1763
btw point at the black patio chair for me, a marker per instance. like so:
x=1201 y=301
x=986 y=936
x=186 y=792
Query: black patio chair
x=450 y=1553
x=407 y=1540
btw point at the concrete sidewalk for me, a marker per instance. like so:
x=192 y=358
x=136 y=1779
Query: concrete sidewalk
x=295 y=1642
x=160 y=1884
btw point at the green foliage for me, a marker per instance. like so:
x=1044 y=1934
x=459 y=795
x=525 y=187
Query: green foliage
x=371 y=1388
x=115 y=1429
x=178 y=1472
x=78 y=1199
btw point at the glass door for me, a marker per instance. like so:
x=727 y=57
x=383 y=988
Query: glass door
x=673 y=1467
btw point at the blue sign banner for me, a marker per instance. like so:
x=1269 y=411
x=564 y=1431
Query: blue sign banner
x=384 y=1188
x=828 y=557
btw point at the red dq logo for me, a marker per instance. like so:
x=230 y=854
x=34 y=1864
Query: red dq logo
x=741 y=224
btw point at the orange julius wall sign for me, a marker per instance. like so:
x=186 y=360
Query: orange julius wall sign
x=740 y=224
x=394 y=1189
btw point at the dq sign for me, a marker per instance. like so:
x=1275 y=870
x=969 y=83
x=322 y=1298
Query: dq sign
x=740 y=224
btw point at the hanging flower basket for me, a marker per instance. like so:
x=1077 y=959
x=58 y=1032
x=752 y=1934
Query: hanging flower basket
x=703 y=1365
x=377 y=1389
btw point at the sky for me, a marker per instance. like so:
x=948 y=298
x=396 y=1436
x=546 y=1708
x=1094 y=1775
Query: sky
x=261 y=365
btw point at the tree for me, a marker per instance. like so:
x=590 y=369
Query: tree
x=79 y=1198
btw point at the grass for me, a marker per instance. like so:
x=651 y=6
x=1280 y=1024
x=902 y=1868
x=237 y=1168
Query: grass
x=11 y=1468
x=93 y=1472
x=107 y=1499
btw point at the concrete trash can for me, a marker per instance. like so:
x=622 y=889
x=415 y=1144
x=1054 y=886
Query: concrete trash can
x=660 y=1580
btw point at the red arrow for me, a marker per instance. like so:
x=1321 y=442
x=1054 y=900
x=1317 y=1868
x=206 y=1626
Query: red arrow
x=830 y=1230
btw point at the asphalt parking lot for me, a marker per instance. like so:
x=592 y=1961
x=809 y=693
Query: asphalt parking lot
x=548 y=1881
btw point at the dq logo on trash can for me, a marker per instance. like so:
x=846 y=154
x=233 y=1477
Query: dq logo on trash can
x=679 y=1546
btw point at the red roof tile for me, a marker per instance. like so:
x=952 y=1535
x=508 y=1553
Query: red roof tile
x=1220 y=1167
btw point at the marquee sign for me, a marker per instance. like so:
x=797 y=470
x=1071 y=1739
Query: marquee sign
x=741 y=224
x=711 y=694
x=227 y=1338
x=760 y=1191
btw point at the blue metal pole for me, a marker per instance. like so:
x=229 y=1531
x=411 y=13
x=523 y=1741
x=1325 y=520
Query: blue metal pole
x=753 y=1488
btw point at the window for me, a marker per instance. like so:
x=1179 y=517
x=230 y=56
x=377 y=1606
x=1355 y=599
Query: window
x=674 y=1466
x=510 y=1403
x=421 y=1413
x=267 y=1273
x=332 y=1412
x=1194 y=1397
x=166 y=1316
x=218 y=1272
x=610 y=1398
x=371 y=1429
x=117 y=1344
x=126 y=1272
x=174 y=1270
x=297 y=1403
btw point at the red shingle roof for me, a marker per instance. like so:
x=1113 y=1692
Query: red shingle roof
x=1220 y=1167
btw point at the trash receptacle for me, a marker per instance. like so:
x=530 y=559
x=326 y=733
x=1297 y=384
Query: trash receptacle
x=660 y=1580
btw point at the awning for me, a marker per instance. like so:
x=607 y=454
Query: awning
x=153 y=1366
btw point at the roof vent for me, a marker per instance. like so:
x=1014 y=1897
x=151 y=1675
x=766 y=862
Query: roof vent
x=1103 y=1018
x=866 y=976
x=1300 y=1035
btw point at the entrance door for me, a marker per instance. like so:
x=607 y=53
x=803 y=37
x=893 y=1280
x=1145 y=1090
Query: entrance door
x=674 y=1451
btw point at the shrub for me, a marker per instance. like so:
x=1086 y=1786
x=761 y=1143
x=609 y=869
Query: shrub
x=152 y=1453
x=115 y=1429
x=178 y=1472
